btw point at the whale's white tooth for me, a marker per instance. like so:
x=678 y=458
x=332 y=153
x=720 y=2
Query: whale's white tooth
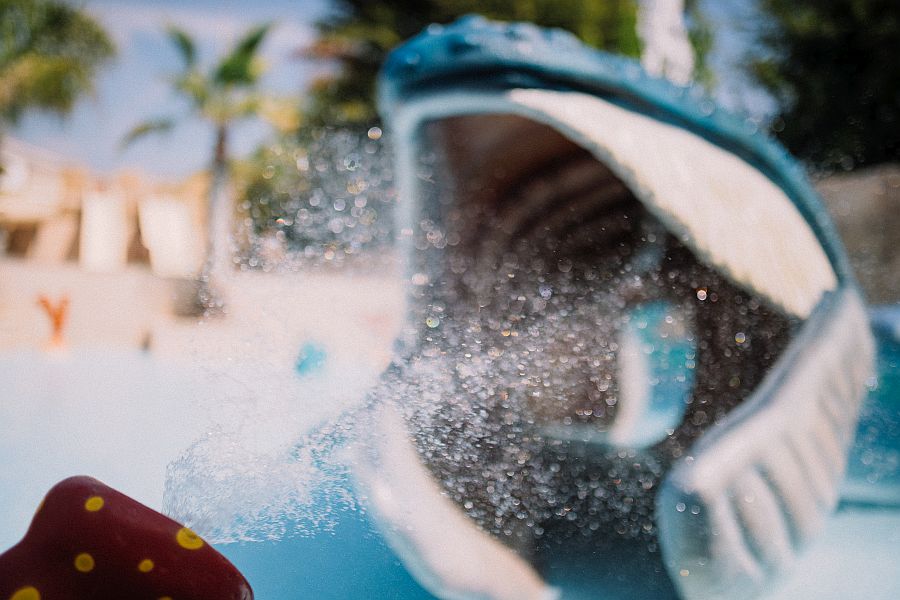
x=446 y=551
x=727 y=211
x=780 y=446
x=765 y=524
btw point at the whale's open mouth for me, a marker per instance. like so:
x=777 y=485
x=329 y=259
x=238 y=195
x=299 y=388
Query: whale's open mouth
x=731 y=216
x=548 y=248
x=592 y=289
x=618 y=326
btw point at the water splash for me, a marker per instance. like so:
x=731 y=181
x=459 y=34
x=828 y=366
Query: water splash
x=326 y=202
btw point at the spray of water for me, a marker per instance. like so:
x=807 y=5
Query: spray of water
x=512 y=375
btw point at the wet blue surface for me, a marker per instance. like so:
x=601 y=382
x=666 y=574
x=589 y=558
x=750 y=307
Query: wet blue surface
x=670 y=363
x=873 y=470
x=350 y=562
x=612 y=568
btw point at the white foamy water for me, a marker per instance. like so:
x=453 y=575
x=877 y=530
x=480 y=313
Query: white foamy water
x=222 y=401
x=253 y=473
x=259 y=472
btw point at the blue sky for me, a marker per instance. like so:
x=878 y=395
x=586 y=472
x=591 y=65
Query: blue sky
x=133 y=87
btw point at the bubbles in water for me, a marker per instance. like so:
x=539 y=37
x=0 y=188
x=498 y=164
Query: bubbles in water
x=269 y=465
x=227 y=493
x=328 y=201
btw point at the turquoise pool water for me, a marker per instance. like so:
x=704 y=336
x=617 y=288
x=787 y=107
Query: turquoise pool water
x=873 y=471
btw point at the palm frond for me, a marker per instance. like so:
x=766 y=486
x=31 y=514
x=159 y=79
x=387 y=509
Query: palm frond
x=161 y=125
x=194 y=85
x=185 y=45
x=47 y=82
x=238 y=67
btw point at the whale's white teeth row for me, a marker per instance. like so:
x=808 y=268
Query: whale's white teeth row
x=731 y=215
x=767 y=481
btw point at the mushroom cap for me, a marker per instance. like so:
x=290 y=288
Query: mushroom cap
x=87 y=540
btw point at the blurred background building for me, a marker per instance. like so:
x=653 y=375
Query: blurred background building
x=297 y=151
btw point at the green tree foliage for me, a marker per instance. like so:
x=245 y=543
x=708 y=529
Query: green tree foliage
x=833 y=69
x=700 y=35
x=360 y=33
x=49 y=55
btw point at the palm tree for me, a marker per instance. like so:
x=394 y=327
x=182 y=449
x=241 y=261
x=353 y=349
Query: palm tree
x=223 y=95
x=49 y=55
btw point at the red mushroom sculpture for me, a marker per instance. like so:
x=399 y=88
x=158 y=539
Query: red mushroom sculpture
x=88 y=541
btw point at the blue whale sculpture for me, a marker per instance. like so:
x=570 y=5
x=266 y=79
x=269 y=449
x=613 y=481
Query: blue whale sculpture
x=636 y=359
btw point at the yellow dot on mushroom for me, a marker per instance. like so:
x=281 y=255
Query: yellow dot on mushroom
x=84 y=562
x=188 y=539
x=93 y=504
x=26 y=593
x=145 y=566
x=166 y=598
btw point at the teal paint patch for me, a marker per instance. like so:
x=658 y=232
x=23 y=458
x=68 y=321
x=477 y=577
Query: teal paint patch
x=310 y=360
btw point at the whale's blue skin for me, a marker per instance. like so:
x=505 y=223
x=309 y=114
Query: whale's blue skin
x=478 y=55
